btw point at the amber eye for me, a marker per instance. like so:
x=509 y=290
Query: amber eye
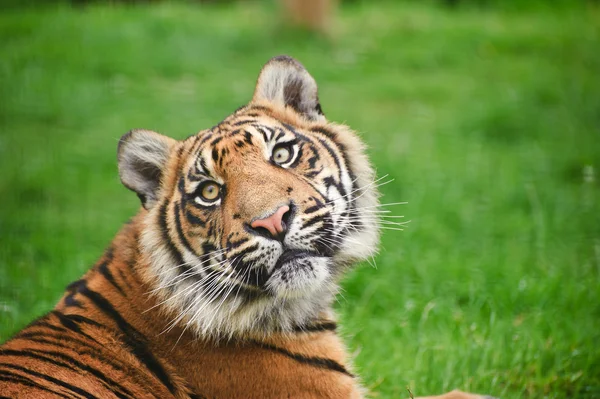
x=210 y=191
x=282 y=154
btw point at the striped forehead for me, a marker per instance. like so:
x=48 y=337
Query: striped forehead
x=217 y=150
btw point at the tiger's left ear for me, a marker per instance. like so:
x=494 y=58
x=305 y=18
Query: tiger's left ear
x=143 y=156
x=285 y=82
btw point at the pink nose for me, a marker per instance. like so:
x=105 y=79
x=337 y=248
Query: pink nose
x=274 y=223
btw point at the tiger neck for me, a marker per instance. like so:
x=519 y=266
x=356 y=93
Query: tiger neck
x=118 y=289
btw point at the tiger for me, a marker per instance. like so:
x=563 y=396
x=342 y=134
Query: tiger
x=221 y=286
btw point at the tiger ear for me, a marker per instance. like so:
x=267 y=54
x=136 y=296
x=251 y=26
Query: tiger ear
x=142 y=157
x=285 y=82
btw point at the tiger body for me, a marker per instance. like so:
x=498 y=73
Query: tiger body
x=221 y=286
x=100 y=341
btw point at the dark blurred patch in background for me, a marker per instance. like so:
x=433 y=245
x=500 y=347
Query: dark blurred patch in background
x=485 y=113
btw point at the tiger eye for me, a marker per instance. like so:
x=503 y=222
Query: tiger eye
x=282 y=155
x=210 y=191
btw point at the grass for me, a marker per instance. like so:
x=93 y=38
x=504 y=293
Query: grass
x=488 y=121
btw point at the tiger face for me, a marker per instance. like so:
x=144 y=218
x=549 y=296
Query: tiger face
x=251 y=223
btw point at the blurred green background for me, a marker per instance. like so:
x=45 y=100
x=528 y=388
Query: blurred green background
x=486 y=114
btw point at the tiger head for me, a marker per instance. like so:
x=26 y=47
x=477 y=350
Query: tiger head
x=250 y=224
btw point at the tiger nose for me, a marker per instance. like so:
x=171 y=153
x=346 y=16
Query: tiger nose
x=275 y=225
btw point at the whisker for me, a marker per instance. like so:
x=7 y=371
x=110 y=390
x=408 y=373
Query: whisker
x=380 y=205
x=363 y=188
x=189 y=323
x=189 y=273
x=213 y=292
x=184 y=291
x=170 y=268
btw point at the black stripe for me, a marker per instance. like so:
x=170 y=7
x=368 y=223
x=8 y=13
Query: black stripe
x=262 y=132
x=47 y=325
x=234 y=133
x=325 y=326
x=312 y=161
x=330 y=135
x=103 y=269
x=71 y=324
x=63 y=384
x=319 y=362
x=179 y=228
x=243 y=122
x=194 y=174
x=204 y=170
x=235 y=244
x=216 y=141
x=280 y=135
x=205 y=138
x=243 y=252
x=194 y=219
x=336 y=159
x=74 y=285
x=64 y=333
x=181 y=187
x=44 y=339
x=22 y=380
x=175 y=254
x=65 y=321
x=132 y=337
x=121 y=392
x=91 y=352
x=71 y=289
x=82 y=319
x=330 y=150
x=34 y=355
x=313 y=209
x=297 y=158
x=211 y=228
x=312 y=174
x=310 y=222
x=248 y=137
x=333 y=137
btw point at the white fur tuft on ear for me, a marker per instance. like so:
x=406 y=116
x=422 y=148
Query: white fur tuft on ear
x=142 y=156
x=285 y=82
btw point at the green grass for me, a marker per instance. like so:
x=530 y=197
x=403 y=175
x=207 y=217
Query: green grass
x=489 y=122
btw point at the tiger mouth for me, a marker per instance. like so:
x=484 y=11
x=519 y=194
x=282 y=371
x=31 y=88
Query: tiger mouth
x=291 y=255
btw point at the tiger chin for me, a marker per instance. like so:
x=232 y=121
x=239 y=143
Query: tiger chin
x=221 y=286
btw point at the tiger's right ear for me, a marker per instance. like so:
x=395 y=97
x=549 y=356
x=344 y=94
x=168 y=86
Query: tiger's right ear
x=142 y=157
x=285 y=82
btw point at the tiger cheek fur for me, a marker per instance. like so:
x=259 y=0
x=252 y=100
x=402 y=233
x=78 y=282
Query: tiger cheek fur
x=221 y=287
